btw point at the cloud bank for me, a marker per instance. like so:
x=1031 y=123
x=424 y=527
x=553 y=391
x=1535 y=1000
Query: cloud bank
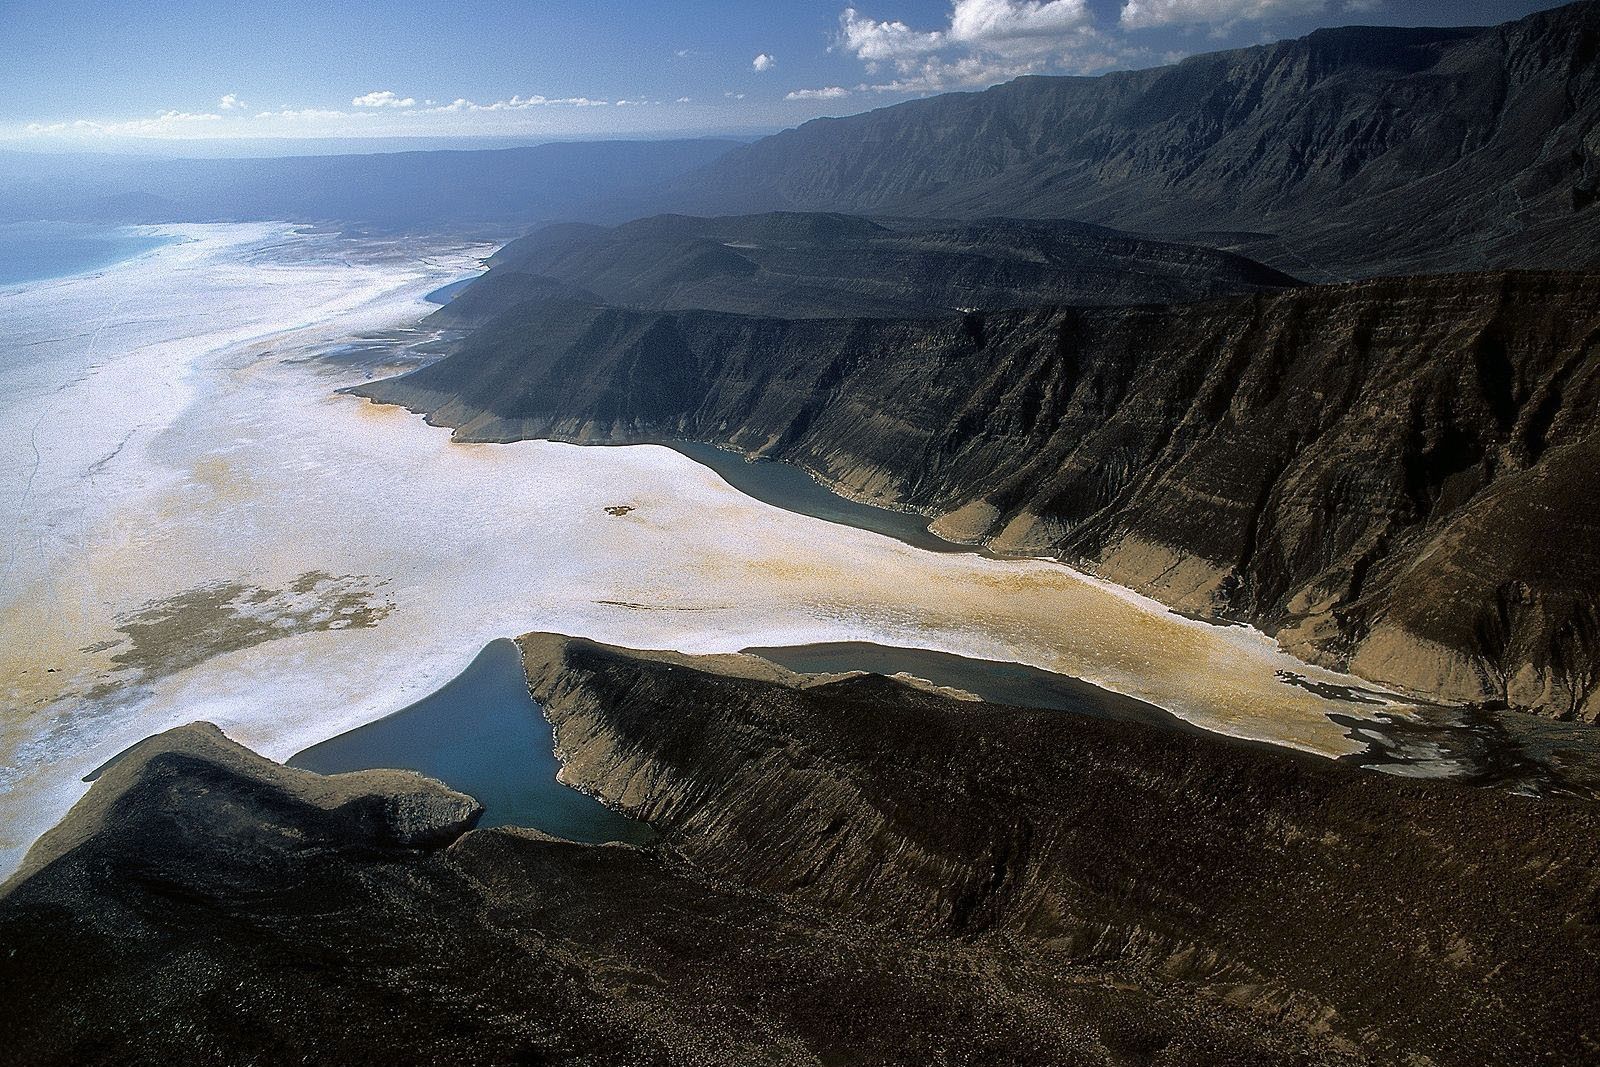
x=984 y=41
x=832 y=92
x=384 y=98
x=987 y=41
x=1145 y=14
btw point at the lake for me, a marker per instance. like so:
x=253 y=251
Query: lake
x=483 y=734
x=37 y=251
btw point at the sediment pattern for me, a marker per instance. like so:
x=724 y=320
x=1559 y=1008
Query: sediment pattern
x=1392 y=475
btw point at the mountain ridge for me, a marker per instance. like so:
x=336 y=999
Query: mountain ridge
x=496 y=191
x=1362 y=150
x=845 y=865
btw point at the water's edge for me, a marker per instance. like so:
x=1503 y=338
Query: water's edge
x=483 y=734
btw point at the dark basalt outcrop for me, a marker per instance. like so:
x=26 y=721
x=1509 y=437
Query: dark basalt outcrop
x=1403 y=919
x=1350 y=152
x=852 y=870
x=816 y=265
x=1394 y=476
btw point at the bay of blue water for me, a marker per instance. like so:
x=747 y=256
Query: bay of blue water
x=37 y=251
x=485 y=735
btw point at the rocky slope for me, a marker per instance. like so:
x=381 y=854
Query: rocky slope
x=800 y=265
x=1203 y=859
x=852 y=871
x=1350 y=152
x=1393 y=475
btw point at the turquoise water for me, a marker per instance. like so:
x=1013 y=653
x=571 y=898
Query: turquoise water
x=35 y=251
x=486 y=736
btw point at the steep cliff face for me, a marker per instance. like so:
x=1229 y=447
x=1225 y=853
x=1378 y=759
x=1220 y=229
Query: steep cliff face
x=1392 y=475
x=851 y=870
x=230 y=913
x=1224 y=863
x=1350 y=152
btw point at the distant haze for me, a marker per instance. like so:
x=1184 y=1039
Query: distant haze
x=118 y=74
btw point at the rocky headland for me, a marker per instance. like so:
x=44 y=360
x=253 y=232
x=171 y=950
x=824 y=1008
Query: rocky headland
x=847 y=864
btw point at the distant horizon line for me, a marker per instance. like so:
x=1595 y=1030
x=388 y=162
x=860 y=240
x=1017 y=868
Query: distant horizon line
x=226 y=148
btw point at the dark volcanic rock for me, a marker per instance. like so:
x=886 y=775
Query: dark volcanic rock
x=852 y=871
x=205 y=906
x=1410 y=920
x=1349 y=152
x=1395 y=475
x=816 y=265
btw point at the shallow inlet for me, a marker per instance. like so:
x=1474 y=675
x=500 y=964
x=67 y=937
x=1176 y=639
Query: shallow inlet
x=43 y=251
x=787 y=486
x=482 y=733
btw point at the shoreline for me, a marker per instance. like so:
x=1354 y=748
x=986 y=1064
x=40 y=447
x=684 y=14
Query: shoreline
x=854 y=512
x=152 y=236
x=308 y=562
x=1394 y=731
x=139 y=459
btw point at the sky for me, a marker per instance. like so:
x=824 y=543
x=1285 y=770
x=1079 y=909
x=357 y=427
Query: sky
x=115 y=74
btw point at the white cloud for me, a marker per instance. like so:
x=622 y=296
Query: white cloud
x=832 y=92
x=385 y=98
x=307 y=114
x=984 y=42
x=230 y=102
x=936 y=74
x=166 y=124
x=683 y=100
x=763 y=63
x=1142 y=14
x=875 y=41
x=521 y=103
x=987 y=26
x=992 y=23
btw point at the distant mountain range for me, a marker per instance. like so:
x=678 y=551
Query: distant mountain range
x=1349 y=152
x=1346 y=153
x=501 y=191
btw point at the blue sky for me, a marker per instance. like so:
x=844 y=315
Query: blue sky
x=118 y=72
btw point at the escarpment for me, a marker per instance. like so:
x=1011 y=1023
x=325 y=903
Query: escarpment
x=1224 y=863
x=851 y=869
x=1391 y=475
x=1350 y=152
